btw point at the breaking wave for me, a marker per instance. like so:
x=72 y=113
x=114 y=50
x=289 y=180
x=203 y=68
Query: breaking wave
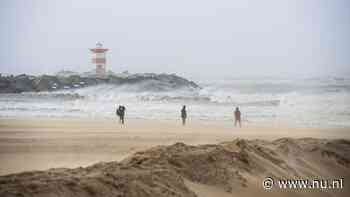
x=304 y=102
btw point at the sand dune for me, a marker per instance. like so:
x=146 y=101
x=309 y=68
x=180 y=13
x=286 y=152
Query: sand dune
x=232 y=168
x=40 y=144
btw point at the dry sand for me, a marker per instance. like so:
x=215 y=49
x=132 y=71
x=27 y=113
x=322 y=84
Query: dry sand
x=39 y=144
x=176 y=170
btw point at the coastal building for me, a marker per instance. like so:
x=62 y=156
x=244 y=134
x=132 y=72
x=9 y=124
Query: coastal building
x=99 y=60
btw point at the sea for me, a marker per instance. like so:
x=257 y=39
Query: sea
x=297 y=102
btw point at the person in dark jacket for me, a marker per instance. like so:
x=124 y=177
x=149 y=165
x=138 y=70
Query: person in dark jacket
x=121 y=113
x=238 y=117
x=183 y=114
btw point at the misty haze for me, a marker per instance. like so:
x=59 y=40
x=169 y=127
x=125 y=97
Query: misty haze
x=174 y=98
x=192 y=38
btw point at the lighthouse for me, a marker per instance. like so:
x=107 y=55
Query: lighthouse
x=99 y=60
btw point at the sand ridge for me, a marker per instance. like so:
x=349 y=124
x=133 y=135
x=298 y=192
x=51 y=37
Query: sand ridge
x=234 y=168
x=43 y=143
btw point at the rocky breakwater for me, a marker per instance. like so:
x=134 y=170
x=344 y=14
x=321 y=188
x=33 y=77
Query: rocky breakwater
x=150 y=81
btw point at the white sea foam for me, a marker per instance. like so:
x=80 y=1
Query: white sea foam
x=302 y=102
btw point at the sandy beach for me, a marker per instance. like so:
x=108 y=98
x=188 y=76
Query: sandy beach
x=70 y=70
x=40 y=144
x=153 y=158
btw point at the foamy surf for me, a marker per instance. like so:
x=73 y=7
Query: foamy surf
x=306 y=102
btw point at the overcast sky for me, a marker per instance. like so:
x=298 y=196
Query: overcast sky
x=187 y=37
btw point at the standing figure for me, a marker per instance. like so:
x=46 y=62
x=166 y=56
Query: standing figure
x=121 y=113
x=183 y=114
x=238 y=117
x=118 y=112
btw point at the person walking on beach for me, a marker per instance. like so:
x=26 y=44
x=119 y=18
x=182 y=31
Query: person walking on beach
x=238 y=117
x=121 y=113
x=183 y=114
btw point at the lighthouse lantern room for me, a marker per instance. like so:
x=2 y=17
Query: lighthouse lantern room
x=99 y=60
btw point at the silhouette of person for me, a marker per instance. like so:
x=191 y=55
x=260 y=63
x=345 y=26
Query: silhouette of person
x=238 y=117
x=183 y=114
x=121 y=113
x=118 y=112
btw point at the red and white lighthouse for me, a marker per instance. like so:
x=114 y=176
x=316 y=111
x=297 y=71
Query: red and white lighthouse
x=99 y=59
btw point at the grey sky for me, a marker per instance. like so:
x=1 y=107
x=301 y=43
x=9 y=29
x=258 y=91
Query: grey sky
x=188 y=37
